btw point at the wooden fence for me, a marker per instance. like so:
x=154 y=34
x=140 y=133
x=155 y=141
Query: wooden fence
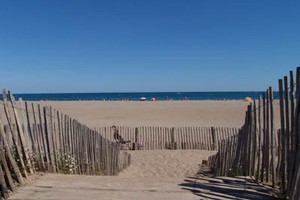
x=35 y=138
x=271 y=156
x=159 y=138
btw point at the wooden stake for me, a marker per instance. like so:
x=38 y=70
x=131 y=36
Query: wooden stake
x=272 y=138
x=14 y=136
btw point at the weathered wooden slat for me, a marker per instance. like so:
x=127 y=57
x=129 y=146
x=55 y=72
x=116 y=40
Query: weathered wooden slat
x=10 y=182
x=54 y=137
x=43 y=137
x=23 y=119
x=31 y=134
x=208 y=139
x=196 y=135
x=273 y=164
x=295 y=169
x=60 y=139
x=49 y=144
x=287 y=129
x=254 y=136
x=268 y=157
x=263 y=168
x=194 y=138
x=258 y=171
x=36 y=131
x=13 y=134
x=4 y=189
x=292 y=134
x=283 y=138
x=9 y=155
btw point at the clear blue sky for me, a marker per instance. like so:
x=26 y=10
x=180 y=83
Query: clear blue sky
x=147 y=45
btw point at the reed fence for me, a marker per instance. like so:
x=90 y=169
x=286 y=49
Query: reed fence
x=160 y=138
x=41 y=139
x=271 y=156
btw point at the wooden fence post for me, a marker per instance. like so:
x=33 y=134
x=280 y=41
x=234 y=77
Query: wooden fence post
x=136 y=141
x=9 y=178
x=292 y=134
x=173 y=143
x=254 y=136
x=268 y=136
x=14 y=136
x=295 y=169
x=21 y=134
x=282 y=134
x=272 y=138
x=258 y=171
x=4 y=189
x=214 y=139
x=30 y=132
x=248 y=140
x=38 y=133
x=43 y=139
x=24 y=126
x=287 y=126
x=10 y=157
x=48 y=133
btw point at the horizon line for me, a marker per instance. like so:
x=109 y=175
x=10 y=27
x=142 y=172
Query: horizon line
x=135 y=92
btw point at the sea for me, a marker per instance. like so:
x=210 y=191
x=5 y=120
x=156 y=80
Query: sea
x=136 y=96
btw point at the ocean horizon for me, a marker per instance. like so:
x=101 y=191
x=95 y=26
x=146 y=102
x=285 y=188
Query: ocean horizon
x=136 y=96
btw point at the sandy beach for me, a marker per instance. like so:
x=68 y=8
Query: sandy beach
x=159 y=113
x=154 y=174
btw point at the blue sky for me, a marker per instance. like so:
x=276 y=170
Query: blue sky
x=143 y=45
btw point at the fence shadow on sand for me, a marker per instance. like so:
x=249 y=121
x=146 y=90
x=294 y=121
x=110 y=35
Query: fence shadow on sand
x=225 y=188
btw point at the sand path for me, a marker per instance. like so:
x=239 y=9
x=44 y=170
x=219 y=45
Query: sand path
x=166 y=163
x=152 y=175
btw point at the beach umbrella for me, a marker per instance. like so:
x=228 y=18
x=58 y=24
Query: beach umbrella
x=248 y=99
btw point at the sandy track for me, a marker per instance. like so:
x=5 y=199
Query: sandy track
x=64 y=187
x=165 y=164
x=75 y=187
x=152 y=175
x=161 y=113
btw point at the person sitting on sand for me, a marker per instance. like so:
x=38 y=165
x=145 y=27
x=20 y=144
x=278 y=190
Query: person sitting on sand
x=117 y=137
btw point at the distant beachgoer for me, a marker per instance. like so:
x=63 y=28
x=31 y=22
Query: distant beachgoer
x=117 y=137
x=141 y=145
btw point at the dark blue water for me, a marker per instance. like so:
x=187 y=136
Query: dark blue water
x=161 y=96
